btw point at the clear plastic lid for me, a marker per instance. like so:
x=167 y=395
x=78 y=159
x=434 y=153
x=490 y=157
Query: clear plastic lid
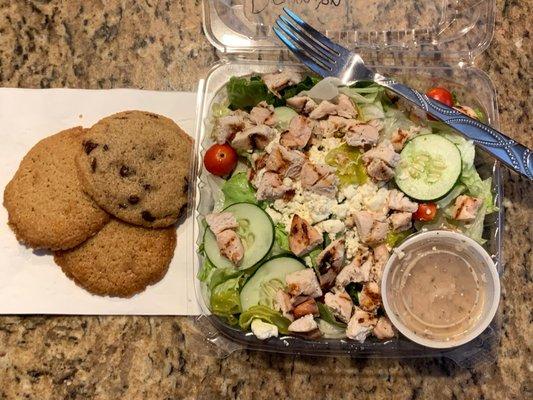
x=446 y=29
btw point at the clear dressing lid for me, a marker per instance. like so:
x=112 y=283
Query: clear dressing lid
x=448 y=30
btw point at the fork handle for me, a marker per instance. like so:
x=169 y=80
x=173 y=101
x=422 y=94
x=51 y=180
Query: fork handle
x=514 y=155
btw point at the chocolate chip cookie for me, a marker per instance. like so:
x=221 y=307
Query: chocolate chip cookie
x=120 y=260
x=45 y=202
x=136 y=166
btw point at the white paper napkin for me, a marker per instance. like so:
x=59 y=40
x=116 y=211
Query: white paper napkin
x=30 y=282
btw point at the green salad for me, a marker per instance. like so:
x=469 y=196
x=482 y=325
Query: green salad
x=313 y=184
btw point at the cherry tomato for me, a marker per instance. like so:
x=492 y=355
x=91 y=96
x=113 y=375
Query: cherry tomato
x=441 y=94
x=426 y=212
x=220 y=159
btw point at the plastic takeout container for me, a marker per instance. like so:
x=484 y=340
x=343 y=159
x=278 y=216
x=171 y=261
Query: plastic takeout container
x=418 y=43
x=482 y=267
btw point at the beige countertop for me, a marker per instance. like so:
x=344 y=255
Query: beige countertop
x=160 y=45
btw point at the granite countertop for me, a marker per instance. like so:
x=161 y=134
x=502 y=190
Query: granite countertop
x=160 y=45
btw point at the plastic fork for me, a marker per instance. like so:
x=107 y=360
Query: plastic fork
x=327 y=58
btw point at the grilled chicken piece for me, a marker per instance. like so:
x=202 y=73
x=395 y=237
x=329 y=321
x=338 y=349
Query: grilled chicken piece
x=399 y=138
x=303 y=282
x=271 y=187
x=253 y=137
x=370 y=298
x=308 y=306
x=302 y=104
x=467 y=111
x=381 y=255
x=401 y=221
x=279 y=80
x=345 y=107
x=288 y=163
x=399 y=202
x=362 y=135
x=303 y=324
x=303 y=237
x=324 y=109
x=329 y=127
x=230 y=246
x=466 y=207
x=283 y=303
x=299 y=133
x=228 y=126
x=371 y=227
x=380 y=161
x=354 y=272
x=331 y=257
x=263 y=113
x=383 y=329
x=320 y=179
x=340 y=303
x=360 y=325
x=327 y=280
x=219 y=222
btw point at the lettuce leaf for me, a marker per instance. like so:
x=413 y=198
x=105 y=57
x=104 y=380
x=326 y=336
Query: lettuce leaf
x=205 y=271
x=331 y=331
x=221 y=275
x=451 y=196
x=237 y=189
x=306 y=84
x=225 y=300
x=474 y=229
x=470 y=178
x=264 y=314
x=281 y=240
x=363 y=95
x=327 y=315
x=244 y=94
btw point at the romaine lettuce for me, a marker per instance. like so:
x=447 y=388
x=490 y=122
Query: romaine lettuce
x=237 y=189
x=244 y=94
x=264 y=314
x=327 y=315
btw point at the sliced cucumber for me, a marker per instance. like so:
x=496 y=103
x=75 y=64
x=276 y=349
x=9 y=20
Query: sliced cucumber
x=274 y=269
x=429 y=167
x=256 y=231
x=284 y=115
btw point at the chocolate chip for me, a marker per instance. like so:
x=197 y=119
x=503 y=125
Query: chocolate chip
x=89 y=146
x=122 y=206
x=147 y=187
x=186 y=186
x=147 y=216
x=126 y=171
x=106 y=147
x=133 y=199
x=93 y=164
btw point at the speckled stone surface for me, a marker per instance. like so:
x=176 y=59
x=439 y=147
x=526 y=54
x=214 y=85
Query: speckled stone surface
x=159 y=45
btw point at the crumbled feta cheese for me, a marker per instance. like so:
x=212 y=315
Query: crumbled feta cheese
x=276 y=216
x=331 y=226
x=287 y=182
x=352 y=243
x=318 y=152
x=310 y=206
x=263 y=330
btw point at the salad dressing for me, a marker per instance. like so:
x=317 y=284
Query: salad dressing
x=437 y=291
